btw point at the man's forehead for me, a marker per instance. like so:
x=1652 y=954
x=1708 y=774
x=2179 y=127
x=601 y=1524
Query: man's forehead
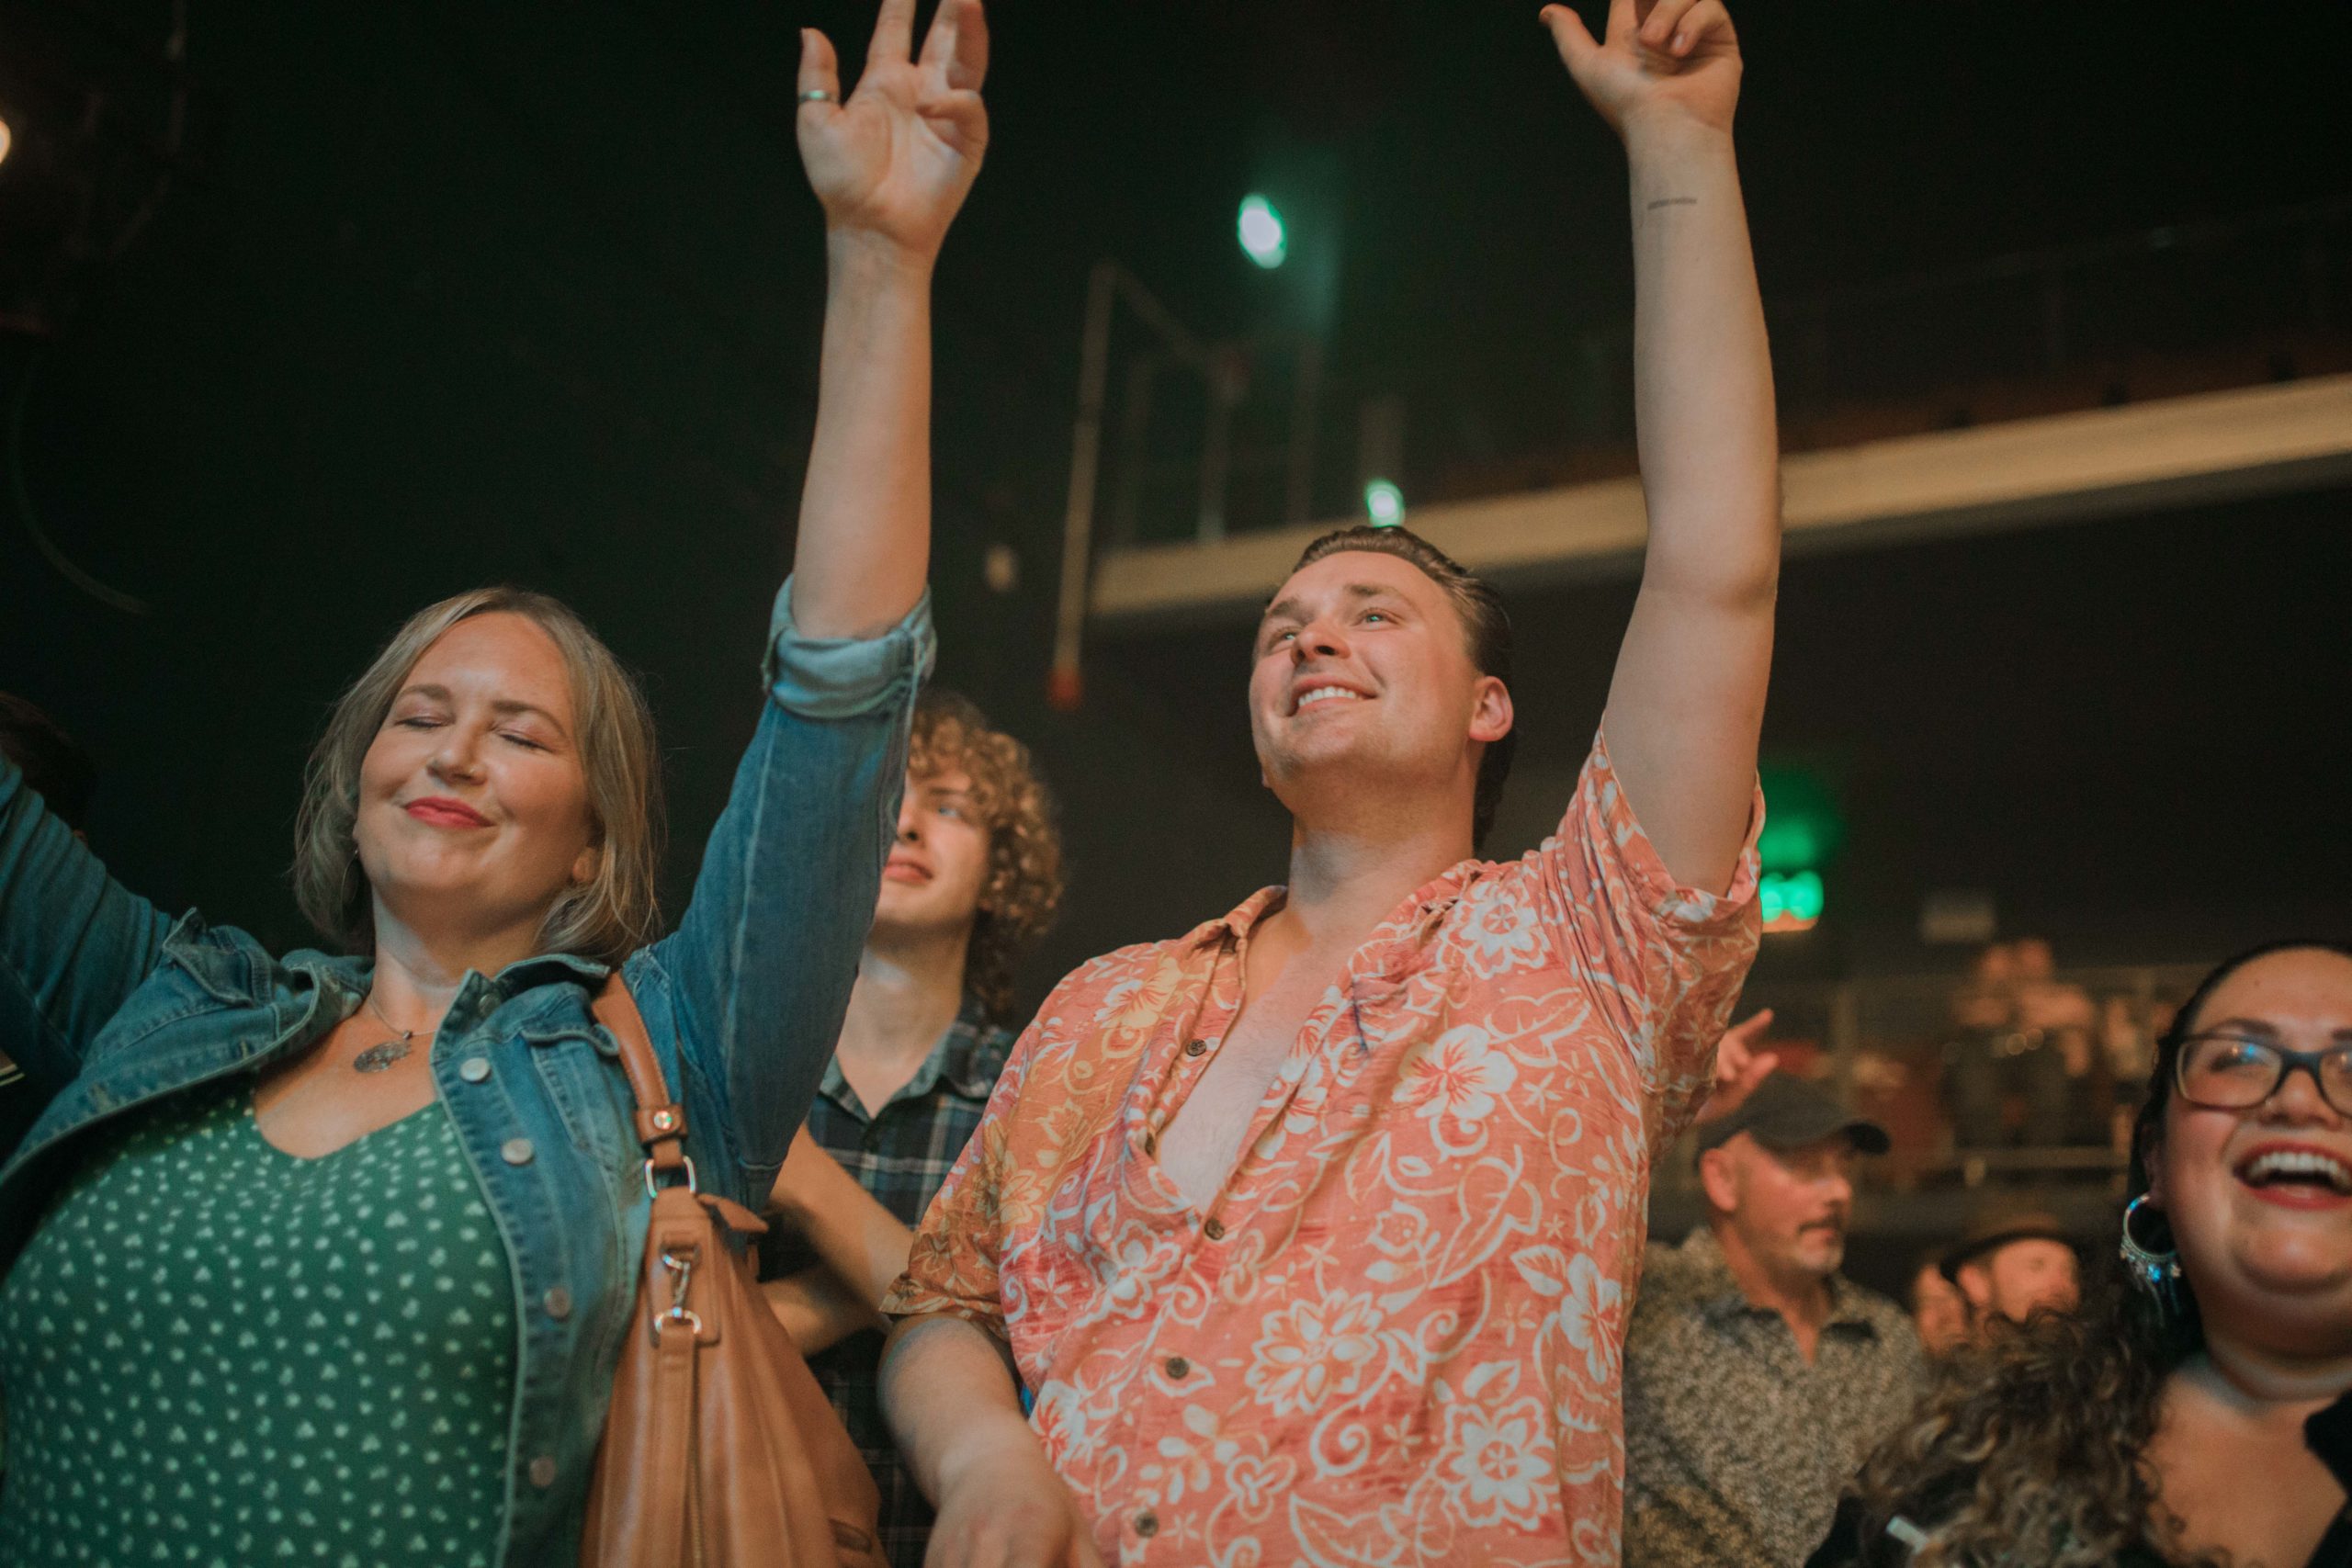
x=1350 y=574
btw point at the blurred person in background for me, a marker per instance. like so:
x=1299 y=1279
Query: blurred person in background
x=2199 y=1408
x=1996 y=1057
x=1756 y=1375
x=329 y=1258
x=971 y=883
x=2010 y=1263
x=2059 y=1016
x=1937 y=1309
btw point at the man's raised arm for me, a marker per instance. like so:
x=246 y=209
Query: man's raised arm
x=1686 y=703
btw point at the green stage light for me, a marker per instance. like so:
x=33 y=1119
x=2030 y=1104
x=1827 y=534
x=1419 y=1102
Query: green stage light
x=1261 y=232
x=1384 y=504
x=1790 y=901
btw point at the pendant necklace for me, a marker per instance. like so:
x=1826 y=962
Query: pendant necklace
x=378 y=1057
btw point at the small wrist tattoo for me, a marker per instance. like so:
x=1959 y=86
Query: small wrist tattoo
x=1673 y=201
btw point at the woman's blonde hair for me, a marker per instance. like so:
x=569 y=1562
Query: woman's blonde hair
x=606 y=918
x=1023 y=887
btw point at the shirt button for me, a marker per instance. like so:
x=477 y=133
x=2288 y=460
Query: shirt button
x=1146 y=1523
x=558 y=1301
x=1197 y=1048
x=1214 y=1230
x=1178 y=1367
x=518 y=1151
x=474 y=1069
x=543 y=1472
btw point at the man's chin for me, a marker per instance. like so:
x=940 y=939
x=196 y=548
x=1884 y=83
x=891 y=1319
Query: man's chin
x=904 y=914
x=1824 y=1257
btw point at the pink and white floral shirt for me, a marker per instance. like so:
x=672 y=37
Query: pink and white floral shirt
x=1394 y=1338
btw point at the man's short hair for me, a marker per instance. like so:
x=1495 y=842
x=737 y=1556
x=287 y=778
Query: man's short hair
x=1485 y=625
x=49 y=758
x=1022 y=887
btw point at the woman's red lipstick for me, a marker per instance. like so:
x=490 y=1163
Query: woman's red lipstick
x=443 y=812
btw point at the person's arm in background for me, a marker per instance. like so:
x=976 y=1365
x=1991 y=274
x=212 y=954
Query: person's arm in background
x=1687 y=704
x=863 y=1245
x=73 y=942
x=819 y=1308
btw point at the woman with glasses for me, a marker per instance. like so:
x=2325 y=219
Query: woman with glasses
x=2199 y=1409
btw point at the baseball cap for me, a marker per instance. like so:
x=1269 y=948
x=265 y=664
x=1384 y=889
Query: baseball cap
x=1787 y=1113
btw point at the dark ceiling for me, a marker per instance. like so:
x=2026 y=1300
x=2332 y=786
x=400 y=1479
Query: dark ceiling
x=441 y=294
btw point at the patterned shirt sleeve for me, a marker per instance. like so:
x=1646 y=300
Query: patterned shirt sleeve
x=952 y=1267
x=1665 y=962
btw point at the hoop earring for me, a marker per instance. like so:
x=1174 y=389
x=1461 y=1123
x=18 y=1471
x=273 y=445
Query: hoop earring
x=2158 y=1273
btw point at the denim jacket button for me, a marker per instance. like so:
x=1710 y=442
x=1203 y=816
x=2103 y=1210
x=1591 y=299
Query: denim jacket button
x=474 y=1069
x=558 y=1301
x=543 y=1472
x=516 y=1151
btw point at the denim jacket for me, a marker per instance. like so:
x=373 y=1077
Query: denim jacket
x=109 y=1005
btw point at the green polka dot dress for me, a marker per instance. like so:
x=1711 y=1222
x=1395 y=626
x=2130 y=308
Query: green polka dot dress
x=214 y=1352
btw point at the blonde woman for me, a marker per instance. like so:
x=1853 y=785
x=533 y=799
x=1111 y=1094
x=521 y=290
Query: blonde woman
x=329 y=1258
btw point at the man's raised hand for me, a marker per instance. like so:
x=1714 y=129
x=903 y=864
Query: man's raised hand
x=1655 y=57
x=893 y=161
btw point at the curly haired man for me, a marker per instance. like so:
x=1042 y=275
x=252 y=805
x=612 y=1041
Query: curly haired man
x=971 y=883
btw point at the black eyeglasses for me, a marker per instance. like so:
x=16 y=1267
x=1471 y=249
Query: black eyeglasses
x=2230 y=1072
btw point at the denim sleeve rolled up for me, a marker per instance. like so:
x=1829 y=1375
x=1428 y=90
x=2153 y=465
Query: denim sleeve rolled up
x=758 y=972
x=111 y=1007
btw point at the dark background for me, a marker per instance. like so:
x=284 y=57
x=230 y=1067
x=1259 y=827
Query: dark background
x=439 y=295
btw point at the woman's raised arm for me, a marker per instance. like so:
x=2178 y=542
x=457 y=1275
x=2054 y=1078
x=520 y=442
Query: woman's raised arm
x=891 y=165
x=763 y=960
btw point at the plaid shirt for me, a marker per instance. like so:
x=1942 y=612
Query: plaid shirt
x=901 y=1155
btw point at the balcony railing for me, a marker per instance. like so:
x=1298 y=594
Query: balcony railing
x=2030 y=1084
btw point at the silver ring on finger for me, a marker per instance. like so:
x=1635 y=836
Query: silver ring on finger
x=816 y=96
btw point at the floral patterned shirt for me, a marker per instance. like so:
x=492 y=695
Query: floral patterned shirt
x=1394 y=1337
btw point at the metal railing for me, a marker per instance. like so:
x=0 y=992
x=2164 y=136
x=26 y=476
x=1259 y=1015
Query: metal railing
x=1977 y=1084
x=2261 y=297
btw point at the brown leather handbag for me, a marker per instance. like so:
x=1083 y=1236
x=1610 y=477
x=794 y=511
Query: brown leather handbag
x=720 y=1451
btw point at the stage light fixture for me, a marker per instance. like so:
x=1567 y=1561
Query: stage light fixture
x=1384 y=504
x=1263 y=238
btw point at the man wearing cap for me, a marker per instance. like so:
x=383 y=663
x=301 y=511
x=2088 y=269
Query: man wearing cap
x=2011 y=1263
x=1756 y=1377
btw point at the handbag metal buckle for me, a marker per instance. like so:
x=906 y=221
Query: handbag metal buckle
x=651 y=1187
x=681 y=1279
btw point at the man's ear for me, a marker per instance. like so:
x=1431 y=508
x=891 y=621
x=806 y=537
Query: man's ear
x=1975 y=1284
x=1719 y=1179
x=1491 y=716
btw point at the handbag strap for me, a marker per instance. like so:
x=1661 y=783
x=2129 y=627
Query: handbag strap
x=661 y=1121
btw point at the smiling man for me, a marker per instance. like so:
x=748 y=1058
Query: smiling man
x=1313 y=1232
